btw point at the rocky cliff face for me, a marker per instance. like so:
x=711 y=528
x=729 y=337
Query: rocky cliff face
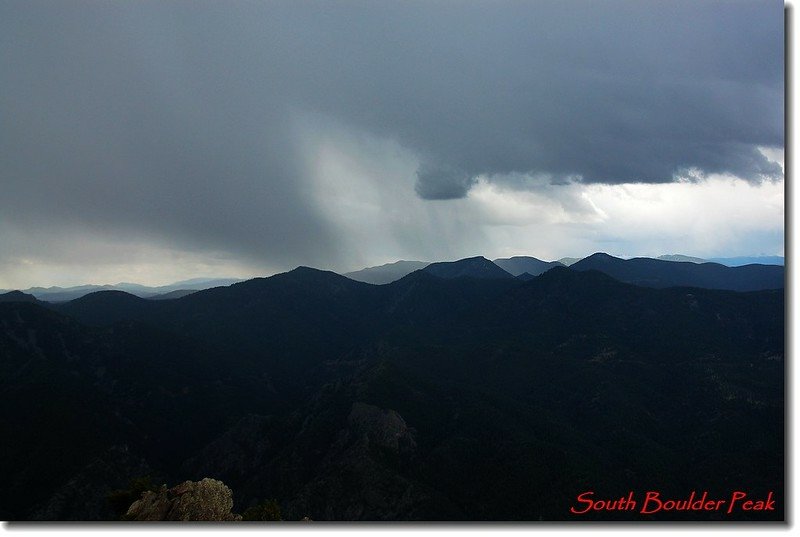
x=382 y=428
x=206 y=500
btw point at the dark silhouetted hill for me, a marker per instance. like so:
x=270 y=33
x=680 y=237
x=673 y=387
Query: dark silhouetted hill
x=658 y=273
x=472 y=267
x=521 y=264
x=106 y=307
x=17 y=296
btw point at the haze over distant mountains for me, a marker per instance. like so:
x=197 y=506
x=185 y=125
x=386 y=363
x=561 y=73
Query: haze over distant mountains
x=519 y=266
x=386 y=273
x=681 y=258
x=667 y=271
x=727 y=261
x=174 y=290
x=740 y=261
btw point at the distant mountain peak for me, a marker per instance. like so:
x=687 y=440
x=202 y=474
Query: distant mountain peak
x=303 y=269
x=601 y=255
x=314 y=273
x=386 y=273
x=400 y=262
x=470 y=267
x=109 y=293
x=680 y=258
x=567 y=261
x=307 y=277
x=521 y=264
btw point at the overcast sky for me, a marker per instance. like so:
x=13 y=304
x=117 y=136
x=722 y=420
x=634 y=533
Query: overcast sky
x=153 y=141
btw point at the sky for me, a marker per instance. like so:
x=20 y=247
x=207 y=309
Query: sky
x=155 y=141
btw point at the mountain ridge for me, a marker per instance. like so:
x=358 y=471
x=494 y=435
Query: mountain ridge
x=519 y=265
x=386 y=273
x=65 y=294
x=470 y=267
x=659 y=273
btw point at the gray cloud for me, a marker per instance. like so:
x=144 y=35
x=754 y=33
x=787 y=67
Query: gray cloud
x=442 y=182
x=609 y=92
x=176 y=119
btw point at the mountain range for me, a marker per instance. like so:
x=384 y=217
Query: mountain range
x=659 y=273
x=457 y=392
x=520 y=265
x=65 y=294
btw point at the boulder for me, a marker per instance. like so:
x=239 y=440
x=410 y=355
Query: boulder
x=208 y=499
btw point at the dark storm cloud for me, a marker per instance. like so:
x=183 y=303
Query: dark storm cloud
x=126 y=116
x=610 y=92
x=176 y=119
x=442 y=182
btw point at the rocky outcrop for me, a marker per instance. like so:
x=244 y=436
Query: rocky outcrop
x=383 y=428
x=206 y=500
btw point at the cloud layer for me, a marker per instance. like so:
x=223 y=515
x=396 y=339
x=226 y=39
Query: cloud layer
x=193 y=125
